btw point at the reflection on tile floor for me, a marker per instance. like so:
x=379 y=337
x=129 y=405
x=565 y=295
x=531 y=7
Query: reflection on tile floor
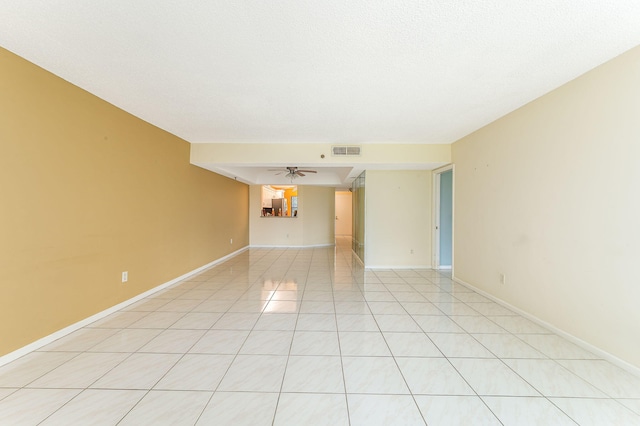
x=307 y=337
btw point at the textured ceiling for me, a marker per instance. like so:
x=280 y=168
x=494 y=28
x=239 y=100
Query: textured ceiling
x=319 y=71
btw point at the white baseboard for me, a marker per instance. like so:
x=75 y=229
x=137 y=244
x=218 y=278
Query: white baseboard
x=379 y=267
x=570 y=337
x=290 y=247
x=11 y=356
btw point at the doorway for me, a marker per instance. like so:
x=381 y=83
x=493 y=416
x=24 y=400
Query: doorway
x=344 y=214
x=443 y=203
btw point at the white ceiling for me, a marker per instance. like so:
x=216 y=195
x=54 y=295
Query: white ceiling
x=331 y=71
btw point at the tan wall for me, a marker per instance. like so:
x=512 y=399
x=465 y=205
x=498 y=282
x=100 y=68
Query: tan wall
x=549 y=196
x=398 y=217
x=88 y=191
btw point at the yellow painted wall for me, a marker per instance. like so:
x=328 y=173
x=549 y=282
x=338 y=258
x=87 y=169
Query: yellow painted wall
x=549 y=195
x=288 y=193
x=88 y=191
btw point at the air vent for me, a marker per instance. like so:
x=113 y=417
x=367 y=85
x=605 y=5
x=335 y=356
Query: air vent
x=345 y=151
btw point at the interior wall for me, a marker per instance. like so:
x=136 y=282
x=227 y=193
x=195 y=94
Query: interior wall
x=314 y=224
x=309 y=154
x=274 y=231
x=548 y=195
x=344 y=214
x=89 y=191
x=319 y=210
x=398 y=219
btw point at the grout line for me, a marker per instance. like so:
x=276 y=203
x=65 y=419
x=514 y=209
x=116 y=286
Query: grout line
x=239 y=278
x=286 y=366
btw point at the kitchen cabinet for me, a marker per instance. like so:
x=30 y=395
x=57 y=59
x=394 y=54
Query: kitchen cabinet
x=268 y=194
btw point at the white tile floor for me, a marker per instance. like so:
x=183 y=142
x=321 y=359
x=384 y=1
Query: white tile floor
x=306 y=337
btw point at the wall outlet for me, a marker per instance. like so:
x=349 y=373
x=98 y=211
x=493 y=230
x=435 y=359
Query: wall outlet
x=231 y=241
x=125 y=276
x=411 y=251
x=503 y=279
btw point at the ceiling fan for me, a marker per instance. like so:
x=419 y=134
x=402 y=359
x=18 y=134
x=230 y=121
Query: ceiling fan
x=292 y=172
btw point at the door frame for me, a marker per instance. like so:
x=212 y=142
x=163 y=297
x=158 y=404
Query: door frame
x=436 y=214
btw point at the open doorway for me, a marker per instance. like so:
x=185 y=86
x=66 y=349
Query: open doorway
x=443 y=203
x=344 y=213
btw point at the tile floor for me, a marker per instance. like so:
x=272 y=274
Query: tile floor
x=306 y=337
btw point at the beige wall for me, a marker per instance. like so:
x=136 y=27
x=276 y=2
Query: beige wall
x=309 y=154
x=313 y=226
x=549 y=195
x=319 y=206
x=89 y=191
x=398 y=210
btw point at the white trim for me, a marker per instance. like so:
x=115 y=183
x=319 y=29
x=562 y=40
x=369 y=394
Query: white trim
x=436 y=215
x=570 y=337
x=11 y=356
x=443 y=168
x=379 y=267
x=436 y=218
x=290 y=247
x=453 y=217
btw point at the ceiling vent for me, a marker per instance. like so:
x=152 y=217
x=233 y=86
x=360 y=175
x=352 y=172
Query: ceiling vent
x=345 y=151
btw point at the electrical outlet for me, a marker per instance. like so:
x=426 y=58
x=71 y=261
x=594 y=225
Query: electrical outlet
x=411 y=251
x=231 y=241
x=125 y=276
x=503 y=279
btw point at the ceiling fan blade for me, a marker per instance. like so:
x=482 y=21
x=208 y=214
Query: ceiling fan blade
x=274 y=170
x=299 y=174
x=308 y=171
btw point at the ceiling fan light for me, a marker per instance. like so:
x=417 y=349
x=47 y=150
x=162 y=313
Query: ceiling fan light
x=294 y=172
